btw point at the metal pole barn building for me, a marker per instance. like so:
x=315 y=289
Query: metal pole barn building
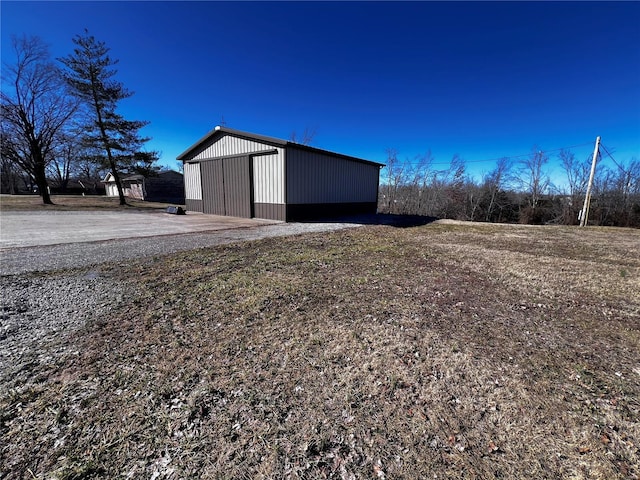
x=241 y=174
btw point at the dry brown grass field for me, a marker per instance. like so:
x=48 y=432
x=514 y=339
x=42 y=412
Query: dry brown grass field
x=441 y=351
x=72 y=202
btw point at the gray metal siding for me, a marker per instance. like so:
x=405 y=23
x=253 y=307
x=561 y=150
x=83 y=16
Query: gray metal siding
x=237 y=186
x=231 y=145
x=192 y=181
x=213 y=187
x=318 y=178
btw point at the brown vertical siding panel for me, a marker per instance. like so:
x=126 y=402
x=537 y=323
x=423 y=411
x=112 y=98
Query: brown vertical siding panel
x=193 y=205
x=319 y=178
x=237 y=186
x=232 y=185
x=213 y=200
x=270 y=211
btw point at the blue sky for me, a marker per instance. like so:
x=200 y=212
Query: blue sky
x=481 y=79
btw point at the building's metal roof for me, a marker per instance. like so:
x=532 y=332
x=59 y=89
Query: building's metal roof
x=276 y=142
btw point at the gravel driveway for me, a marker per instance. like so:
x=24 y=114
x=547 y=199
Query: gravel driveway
x=38 y=312
x=72 y=255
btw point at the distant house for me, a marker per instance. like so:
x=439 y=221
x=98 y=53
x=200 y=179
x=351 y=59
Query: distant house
x=241 y=174
x=165 y=187
x=76 y=186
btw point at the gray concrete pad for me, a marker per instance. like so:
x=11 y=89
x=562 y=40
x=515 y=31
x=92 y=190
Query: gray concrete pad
x=29 y=228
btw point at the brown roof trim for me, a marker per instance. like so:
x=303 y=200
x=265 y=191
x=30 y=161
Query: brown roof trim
x=268 y=140
x=333 y=154
x=257 y=153
x=231 y=131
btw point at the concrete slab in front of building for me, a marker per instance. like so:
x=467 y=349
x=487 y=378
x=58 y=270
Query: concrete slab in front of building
x=29 y=229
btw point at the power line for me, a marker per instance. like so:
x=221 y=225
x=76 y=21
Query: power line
x=611 y=157
x=505 y=156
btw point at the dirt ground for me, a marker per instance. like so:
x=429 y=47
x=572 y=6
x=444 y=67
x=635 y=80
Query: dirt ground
x=436 y=351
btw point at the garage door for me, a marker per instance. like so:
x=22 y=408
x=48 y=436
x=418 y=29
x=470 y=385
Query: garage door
x=212 y=187
x=226 y=187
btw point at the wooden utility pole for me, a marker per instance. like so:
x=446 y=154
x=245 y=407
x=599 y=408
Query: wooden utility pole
x=584 y=214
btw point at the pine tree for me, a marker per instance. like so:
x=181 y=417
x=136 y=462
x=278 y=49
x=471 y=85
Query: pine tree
x=90 y=75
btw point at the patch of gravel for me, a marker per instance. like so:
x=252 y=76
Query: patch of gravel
x=38 y=312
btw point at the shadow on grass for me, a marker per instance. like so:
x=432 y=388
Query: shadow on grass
x=392 y=220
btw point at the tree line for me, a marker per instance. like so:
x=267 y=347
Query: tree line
x=59 y=119
x=513 y=191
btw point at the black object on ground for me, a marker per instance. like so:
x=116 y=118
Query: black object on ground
x=175 y=210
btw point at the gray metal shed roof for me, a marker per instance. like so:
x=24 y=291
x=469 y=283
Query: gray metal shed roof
x=277 y=142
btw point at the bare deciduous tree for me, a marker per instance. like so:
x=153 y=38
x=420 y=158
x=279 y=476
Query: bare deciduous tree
x=90 y=170
x=417 y=175
x=34 y=110
x=619 y=195
x=10 y=174
x=306 y=138
x=393 y=178
x=534 y=182
x=494 y=183
x=577 y=176
x=65 y=157
x=414 y=187
x=454 y=198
